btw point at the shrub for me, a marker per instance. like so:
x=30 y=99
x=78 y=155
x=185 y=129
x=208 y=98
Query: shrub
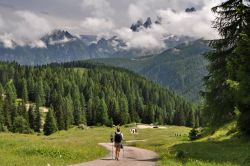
x=180 y=154
x=194 y=134
x=21 y=125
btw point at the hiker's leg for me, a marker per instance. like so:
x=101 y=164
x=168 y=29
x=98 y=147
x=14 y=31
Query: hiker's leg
x=118 y=151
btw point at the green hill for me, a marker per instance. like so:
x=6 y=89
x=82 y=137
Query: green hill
x=181 y=68
x=87 y=93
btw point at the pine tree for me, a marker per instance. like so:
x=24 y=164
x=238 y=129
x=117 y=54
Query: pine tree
x=1 y=109
x=243 y=78
x=190 y=118
x=124 y=111
x=1 y=115
x=20 y=125
x=24 y=94
x=89 y=112
x=102 y=117
x=40 y=94
x=37 y=120
x=50 y=123
x=31 y=116
x=77 y=106
x=83 y=109
x=230 y=22
x=179 y=118
x=68 y=108
x=10 y=111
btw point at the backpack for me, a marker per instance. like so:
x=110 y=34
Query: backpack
x=118 y=138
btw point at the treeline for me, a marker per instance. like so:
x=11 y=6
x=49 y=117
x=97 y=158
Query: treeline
x=85 y=93
x=228 y=83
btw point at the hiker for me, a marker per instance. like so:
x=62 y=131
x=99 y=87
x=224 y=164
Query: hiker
x=118 y=137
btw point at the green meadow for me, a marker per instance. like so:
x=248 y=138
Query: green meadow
x=76 y=145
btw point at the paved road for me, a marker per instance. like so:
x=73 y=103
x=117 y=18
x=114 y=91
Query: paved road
x=132 y=157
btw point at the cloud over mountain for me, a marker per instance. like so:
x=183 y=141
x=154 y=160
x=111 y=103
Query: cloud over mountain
x=26 y=21
x=23 y=28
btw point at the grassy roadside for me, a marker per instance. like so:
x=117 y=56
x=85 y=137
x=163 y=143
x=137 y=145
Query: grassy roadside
x=223 y=148
x=62 y=148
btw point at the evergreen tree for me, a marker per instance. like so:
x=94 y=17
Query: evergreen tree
x=37 y=120
x=190 y=119
x=31 y=116
x=83 y=109
x=59 y=113
x=230 y=22
x=124 y=111
x=89 y=112
x=77 y=105
x=102 y=117
x=243 y=78
x=1 y=109
x=1 y=116
x=68 y=107
x=20 y=125
x=40 y=94
x=10 y=104
x=24 y=94
x=179 y=118
x=50 y=123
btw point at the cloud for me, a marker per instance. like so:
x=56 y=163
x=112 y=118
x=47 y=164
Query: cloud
x=24 y=28
x=98 y=26
x=148 y=39
x=196 y=24
x=98 y=8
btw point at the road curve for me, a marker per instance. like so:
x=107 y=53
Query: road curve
x=132 y=157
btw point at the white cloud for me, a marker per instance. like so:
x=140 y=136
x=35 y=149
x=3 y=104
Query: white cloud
x=6 y=39
x=197 y=24
x=148 y=39
x=98 y=8
x=98 y=26
x=24 y=28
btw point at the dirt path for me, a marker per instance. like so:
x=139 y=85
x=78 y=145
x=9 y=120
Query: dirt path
x=132 y=157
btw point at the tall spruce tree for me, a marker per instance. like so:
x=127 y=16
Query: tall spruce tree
x=68 y=111
x=50 y=125
x=243 y=77
x=31 y=116
x=10 y=111
x=24 y=92
x=37 y=120
x=102 y=113
x=124 y=114
x=77 y=113
x=220 y=101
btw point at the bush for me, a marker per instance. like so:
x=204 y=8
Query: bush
x=194 y=134
x=21 y=125
x=180 y=154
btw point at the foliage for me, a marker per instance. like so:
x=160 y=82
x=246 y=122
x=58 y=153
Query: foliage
x=193 y=134
x=181 y=69
x=89 y=93
x=20 y=125
x=50 y=125
x=224 y=80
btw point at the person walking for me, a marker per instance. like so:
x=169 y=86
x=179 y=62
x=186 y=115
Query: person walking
x=118 y=137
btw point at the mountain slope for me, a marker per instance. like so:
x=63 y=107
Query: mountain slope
x=181 y=68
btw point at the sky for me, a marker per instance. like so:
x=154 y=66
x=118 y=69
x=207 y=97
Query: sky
x=26 y=21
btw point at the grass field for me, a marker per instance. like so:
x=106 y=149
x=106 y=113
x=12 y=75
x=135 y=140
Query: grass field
x=76 y=145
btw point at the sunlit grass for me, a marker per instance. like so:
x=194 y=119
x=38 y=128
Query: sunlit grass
x=76 y=146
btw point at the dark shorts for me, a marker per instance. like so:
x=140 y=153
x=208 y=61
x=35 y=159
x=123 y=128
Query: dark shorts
x=118 y=145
